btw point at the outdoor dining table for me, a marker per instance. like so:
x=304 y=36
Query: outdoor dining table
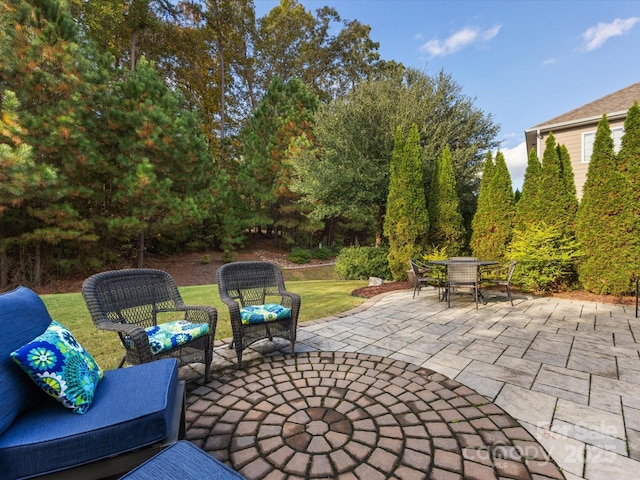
x=466 y=261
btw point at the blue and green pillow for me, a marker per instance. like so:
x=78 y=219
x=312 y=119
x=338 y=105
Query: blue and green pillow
x=61 y=367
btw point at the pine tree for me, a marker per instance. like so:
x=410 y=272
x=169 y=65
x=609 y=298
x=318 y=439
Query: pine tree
x=406 y=222
x=284 y=114
x=155 y=176
x=445 y=220
x=605 y=220
x=494 y=228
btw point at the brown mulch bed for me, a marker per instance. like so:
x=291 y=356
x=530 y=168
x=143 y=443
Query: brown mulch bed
x=368 y=292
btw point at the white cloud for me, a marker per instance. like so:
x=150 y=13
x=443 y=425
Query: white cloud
x=595 y=37
x=517 y=160
x=459 y=40
x=549 y=61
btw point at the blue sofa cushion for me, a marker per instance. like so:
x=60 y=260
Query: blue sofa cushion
x=132 y=408
x=61 y=367
x=23 y=317
x=183 y=461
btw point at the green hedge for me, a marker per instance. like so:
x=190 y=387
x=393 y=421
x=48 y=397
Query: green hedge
x=360 y=263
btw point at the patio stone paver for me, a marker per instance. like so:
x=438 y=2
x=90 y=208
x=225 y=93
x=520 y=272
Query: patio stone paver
x=567 y=371
x=357 y=416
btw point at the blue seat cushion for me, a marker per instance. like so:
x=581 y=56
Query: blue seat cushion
x=132 y=408
x=183 y=461
x=264 y=313
x=167 y=336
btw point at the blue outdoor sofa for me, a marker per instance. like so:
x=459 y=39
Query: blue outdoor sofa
x=134 y=413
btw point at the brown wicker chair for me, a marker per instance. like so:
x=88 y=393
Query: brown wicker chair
x=246 y=284
x=131 y=300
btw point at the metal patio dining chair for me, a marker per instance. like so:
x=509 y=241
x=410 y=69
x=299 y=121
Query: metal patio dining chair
x=260 y=306
x=425 y=274
x=462 y=275
x=145 y=308
x=500 y=276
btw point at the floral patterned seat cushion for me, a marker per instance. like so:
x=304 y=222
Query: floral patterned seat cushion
x=167 y=336
x=61 y=367
x=264 y=313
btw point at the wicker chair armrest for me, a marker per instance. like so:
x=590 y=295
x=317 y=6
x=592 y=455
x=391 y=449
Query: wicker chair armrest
x=135 y=333
x=202 y=314
x=291 y=300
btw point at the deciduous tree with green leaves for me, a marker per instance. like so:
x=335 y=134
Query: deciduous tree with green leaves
x=347 y=170
x=407 y=221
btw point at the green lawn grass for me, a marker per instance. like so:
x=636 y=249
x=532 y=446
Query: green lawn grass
x=320 y=298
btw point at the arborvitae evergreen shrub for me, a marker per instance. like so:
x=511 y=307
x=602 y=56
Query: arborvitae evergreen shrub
x=605 y=221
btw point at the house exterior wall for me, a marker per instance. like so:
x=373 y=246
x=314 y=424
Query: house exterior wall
x=571 y=137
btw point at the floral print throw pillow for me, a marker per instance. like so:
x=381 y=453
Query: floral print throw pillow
x=61 y=367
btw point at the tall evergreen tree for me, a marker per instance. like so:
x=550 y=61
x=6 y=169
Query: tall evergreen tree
x=555 y=204
x=605 y=221
x=629 y=164
x=407 y=222
x=446 y=228
x=482 y=218
x=154 y=177
x=569 y=196
x=53 y=79
x=284 y=114
x=493 y=222
x=526 y=209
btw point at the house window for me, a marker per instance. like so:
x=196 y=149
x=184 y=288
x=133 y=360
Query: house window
x=589 y=137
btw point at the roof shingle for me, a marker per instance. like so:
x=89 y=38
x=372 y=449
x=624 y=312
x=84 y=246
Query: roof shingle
x=618 y=101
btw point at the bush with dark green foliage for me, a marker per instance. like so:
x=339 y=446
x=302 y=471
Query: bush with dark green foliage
x=546 y=258
x=360 y=263
x=322 y=253
x=299 y=255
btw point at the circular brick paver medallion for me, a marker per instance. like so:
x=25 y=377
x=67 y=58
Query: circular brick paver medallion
x=347 y=415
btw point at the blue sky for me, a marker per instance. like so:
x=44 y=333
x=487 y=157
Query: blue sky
x=524 y=62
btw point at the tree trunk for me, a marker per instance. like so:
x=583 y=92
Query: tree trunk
x=4 y=265
x=37 y=266
x=379 y=226
x=140 y=262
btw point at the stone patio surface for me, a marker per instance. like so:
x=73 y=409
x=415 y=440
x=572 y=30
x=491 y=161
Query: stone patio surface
x=567 y=371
